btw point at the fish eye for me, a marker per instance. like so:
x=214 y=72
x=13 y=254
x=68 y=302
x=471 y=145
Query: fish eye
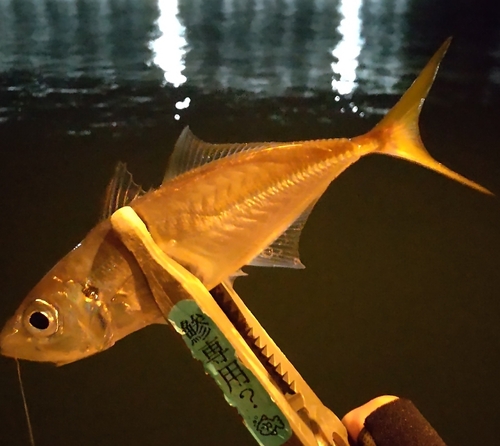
x=41 y=318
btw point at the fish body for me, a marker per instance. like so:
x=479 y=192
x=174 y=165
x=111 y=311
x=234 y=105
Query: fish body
x=219 y=217
x=221 y=206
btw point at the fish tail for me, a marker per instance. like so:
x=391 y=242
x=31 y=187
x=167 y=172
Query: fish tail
x=398 y=135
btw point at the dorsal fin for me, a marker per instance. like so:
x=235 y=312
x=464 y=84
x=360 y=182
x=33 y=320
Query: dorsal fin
x=191 y=152
x=121 y=191
x=284 y=251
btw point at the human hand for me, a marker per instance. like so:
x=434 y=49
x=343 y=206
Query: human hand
x=355 y=419
x=390 y=421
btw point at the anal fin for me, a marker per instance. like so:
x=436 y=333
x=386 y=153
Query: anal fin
x=284 y=251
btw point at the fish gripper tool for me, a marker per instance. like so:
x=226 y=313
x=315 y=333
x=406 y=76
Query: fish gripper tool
x=276 y=404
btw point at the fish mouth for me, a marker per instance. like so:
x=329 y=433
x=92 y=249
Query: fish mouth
x=7 y=348
x=10 y=345
x=5 y=340
x=13 y=344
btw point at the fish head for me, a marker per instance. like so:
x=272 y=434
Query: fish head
x=60 y=321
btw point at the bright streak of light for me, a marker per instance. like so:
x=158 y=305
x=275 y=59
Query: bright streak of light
x=348 y=49
x=169 y=49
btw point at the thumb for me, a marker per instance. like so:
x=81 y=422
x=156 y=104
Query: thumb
x=355 y=419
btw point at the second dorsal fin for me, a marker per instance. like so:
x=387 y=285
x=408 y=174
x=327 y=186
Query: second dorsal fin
x=191 y=152
x=121 y=191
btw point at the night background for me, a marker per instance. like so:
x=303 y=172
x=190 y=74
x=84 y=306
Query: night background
x=400 y=294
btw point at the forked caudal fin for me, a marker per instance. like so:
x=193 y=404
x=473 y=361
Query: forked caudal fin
x=398 y=134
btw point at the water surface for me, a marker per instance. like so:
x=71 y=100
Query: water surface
x=400 y=294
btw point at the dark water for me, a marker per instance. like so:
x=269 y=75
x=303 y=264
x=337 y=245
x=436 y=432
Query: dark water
x=400 y=294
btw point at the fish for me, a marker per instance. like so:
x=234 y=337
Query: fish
x=220 y=207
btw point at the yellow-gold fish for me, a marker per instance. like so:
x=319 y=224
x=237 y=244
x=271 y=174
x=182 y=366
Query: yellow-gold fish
x=221 y=206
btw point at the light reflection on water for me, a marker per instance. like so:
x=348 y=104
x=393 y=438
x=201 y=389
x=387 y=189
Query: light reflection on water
x=347 y=51
x=268 y=48
x=170 y=46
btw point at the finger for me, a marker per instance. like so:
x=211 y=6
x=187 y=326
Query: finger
x=355 y=419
